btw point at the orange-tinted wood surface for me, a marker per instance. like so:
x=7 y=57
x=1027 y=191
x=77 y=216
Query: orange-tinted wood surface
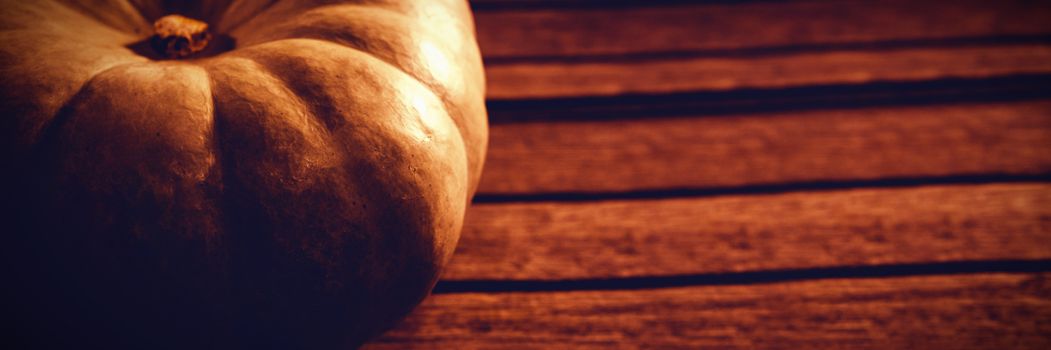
x=543 y=79
x=675 y=174
x=739 y=150
x=656 y=237
x=980 y=311
x=719 y=26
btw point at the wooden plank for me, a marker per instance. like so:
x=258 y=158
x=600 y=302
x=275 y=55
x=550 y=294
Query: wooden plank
x=982 y=311
x=768 y=148
x=717 y=27
x=544 y=79
x=797 y=230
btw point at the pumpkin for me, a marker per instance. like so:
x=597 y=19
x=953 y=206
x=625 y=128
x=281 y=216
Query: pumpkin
x=298 y=183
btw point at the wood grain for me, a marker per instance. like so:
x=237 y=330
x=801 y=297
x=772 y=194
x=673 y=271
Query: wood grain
x=718 y=27
x=982 y=311
x=741 y=150
x=678 y=236
x=544 y=79
x=551 y=52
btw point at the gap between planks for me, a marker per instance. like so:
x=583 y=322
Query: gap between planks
x=994 y=311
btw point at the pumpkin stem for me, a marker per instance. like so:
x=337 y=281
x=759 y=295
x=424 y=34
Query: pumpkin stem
x=176 y=36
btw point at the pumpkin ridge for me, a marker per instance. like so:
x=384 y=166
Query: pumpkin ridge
x=460 y=129
x=314 y=109
x=355 y=51
x=31 y=110
x=313 y=113
x=384 y=183
x=233 y=184
x=264 y=70
x=406 y=55
x=216 y=176
x=58 y=119
x=357 y=42
x=450 y=107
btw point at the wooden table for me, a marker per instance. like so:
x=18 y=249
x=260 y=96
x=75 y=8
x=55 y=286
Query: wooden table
x=743 y=174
